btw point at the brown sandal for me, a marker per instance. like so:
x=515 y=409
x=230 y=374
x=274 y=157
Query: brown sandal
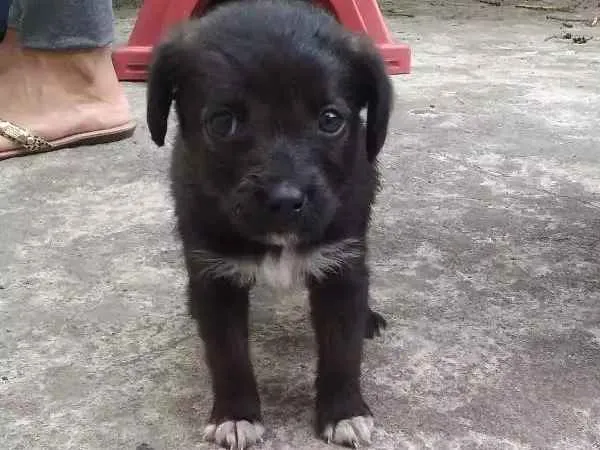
x=29 y=143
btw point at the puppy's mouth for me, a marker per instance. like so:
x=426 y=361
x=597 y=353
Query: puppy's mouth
x=259 y=226
x=258 y=222
x=286 y=213
x=286 y=240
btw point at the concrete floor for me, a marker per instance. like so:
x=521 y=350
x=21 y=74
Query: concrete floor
x=485 y=254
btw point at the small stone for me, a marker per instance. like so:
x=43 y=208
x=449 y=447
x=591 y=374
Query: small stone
x=143 y=446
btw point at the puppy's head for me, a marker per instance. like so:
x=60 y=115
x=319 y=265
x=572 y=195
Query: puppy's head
x=269 y=98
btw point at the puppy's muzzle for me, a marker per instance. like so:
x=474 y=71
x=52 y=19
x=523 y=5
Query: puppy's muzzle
x=285 y=202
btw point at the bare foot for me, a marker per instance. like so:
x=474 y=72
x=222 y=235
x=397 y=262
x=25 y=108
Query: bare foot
x=56 y=94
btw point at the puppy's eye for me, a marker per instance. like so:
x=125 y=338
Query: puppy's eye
x=222 y=124
x=331 y=121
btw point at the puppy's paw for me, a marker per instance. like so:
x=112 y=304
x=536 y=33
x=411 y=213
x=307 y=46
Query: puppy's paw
x=234 y=435
x=352 y=432
x=375 y=325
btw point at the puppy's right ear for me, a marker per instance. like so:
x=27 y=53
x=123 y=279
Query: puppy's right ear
x=162 y=84
x=376 y=91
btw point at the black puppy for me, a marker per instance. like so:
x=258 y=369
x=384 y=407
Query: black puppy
x=273 y=177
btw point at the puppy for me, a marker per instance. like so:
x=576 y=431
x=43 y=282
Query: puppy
x=273 y=177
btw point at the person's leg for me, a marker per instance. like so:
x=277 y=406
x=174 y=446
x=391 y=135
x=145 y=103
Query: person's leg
x=9 y=41
x=4 y=6
x=58 y=80
x=66 y=24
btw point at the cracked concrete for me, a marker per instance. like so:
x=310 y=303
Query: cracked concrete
x=485 y=253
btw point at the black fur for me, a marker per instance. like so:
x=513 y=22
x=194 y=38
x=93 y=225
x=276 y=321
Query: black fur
x=274 y=66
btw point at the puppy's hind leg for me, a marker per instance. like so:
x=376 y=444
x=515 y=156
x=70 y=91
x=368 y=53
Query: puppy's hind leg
x=221 y=310
x=340 y=310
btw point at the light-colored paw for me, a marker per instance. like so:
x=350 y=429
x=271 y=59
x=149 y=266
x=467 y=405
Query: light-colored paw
x=234 y=435
x=352 y=432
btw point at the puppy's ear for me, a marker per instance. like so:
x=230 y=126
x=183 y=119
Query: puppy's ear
x=162 y=84
x=376 y=93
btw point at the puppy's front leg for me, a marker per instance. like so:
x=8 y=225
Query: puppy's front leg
x=221 y=310
x=339 y=311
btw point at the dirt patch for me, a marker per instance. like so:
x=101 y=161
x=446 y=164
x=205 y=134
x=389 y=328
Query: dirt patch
x=483 y=8
x=118 y=4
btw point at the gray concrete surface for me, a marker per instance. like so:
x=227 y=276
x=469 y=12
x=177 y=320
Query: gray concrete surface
x=485 y=253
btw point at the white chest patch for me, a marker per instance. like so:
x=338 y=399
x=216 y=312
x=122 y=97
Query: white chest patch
x=281 y=270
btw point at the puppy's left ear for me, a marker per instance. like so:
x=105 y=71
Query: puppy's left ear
x=376 y=92
x=162 y=84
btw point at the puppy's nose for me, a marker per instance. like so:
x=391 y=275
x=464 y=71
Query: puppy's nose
x=286 y=199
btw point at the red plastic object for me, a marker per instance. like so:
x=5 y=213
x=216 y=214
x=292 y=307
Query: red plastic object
x=157 y=16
